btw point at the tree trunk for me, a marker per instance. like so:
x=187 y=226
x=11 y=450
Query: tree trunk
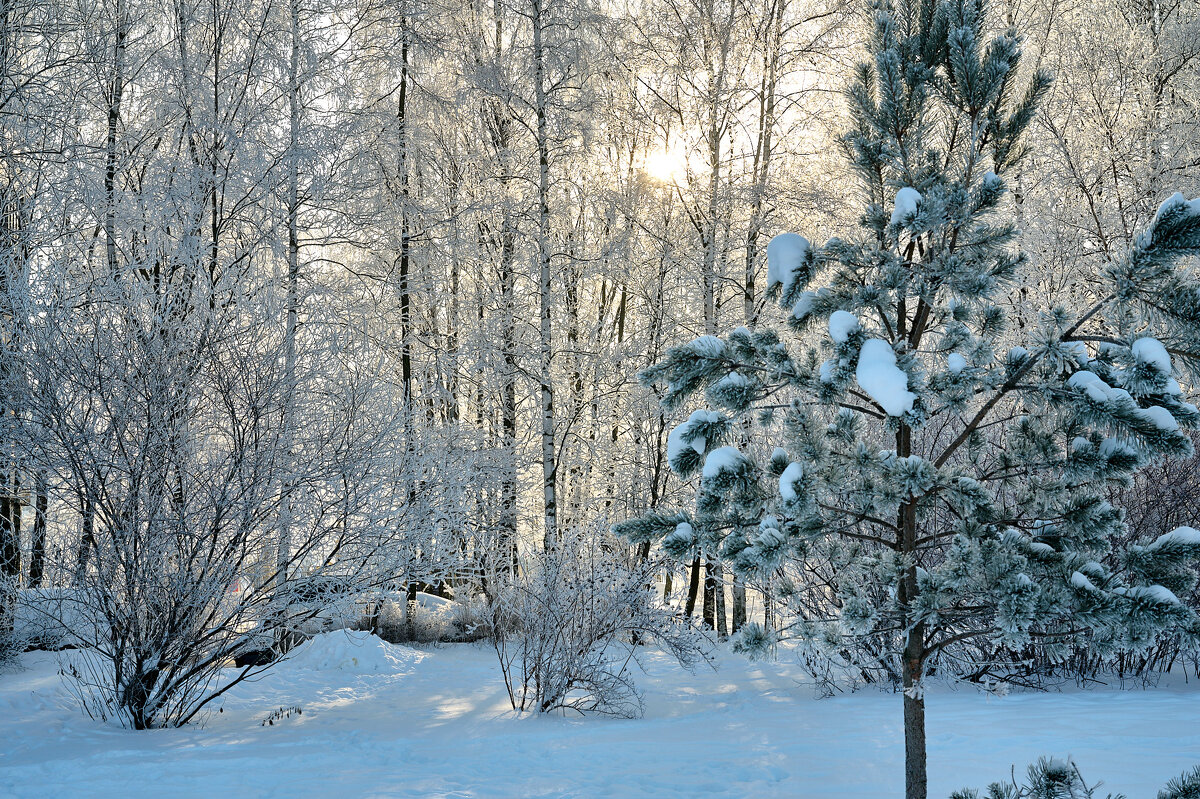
x=709 y=611
x=87 y=541
x=116 y=93
x=915 y=776
x=693 y=589
x=283 y=552
x=738 y=589
x=545 y=331
x=37 y=554
x=913 y=657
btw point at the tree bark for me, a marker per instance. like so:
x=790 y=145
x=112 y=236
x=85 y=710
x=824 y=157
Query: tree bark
x=37 y=554
x=545 y=330
x=693 y=589
x=913 y=656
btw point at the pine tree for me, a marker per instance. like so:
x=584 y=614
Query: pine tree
x=949 y=487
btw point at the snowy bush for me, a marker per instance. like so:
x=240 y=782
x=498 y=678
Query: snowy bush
x=567 y=630
x=428 y=618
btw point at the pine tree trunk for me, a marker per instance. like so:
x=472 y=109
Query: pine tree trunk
x=915 y=776
x=693 y=589
x=913 y=657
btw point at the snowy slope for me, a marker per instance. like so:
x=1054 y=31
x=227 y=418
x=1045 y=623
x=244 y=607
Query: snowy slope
x=382 y=720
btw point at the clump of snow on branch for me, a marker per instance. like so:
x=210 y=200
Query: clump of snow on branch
x=788 y=480
x=1151 y=351
x=722 y=459
x=683 y=436
x=785 y=254
x=842 y=325
x=1180 y=536
x=882 y=379
x=907 y=200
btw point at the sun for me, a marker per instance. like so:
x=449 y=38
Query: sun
x=667 y=165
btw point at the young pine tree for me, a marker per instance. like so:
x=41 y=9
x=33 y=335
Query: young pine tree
x=946 y=485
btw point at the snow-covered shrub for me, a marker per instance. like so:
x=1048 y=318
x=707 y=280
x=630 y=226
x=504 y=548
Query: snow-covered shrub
x=52 y=618
x=424 y=619
x=470 y=618
x=567 y=629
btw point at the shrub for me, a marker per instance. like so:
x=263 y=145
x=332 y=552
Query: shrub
x=567 y=630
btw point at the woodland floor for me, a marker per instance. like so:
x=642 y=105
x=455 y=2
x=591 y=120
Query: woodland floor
x=383 y=720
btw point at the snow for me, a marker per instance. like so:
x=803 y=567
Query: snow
x=826 y=371
x=733 y=379
x=1161 y=418
x=438 y=725
x=1181 y=536
x=955 y=362
x=1080 y=580
x=842 y=324
x=1151 y=351
x=1096 y=389
x=1113 y=446
x=787 y=482
x=675 y=439
x=722 y=459
x=906 y=203
x=675 y=443
x=708 y=347
x=785 y=254
x=353 y=651
x=882 y=379
x=1154 y=593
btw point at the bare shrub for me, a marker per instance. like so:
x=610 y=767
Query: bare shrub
x=568 y=629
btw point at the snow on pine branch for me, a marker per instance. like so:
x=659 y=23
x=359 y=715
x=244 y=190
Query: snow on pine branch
x=884 y=381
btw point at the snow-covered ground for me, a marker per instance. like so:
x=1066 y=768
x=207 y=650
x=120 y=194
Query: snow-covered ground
x=381 y=720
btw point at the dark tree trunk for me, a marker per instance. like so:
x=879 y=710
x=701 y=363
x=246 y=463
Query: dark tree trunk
x=915 y=776
x=693 y=589
x=37 y=554
x=913 y=657
x=710 y=597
